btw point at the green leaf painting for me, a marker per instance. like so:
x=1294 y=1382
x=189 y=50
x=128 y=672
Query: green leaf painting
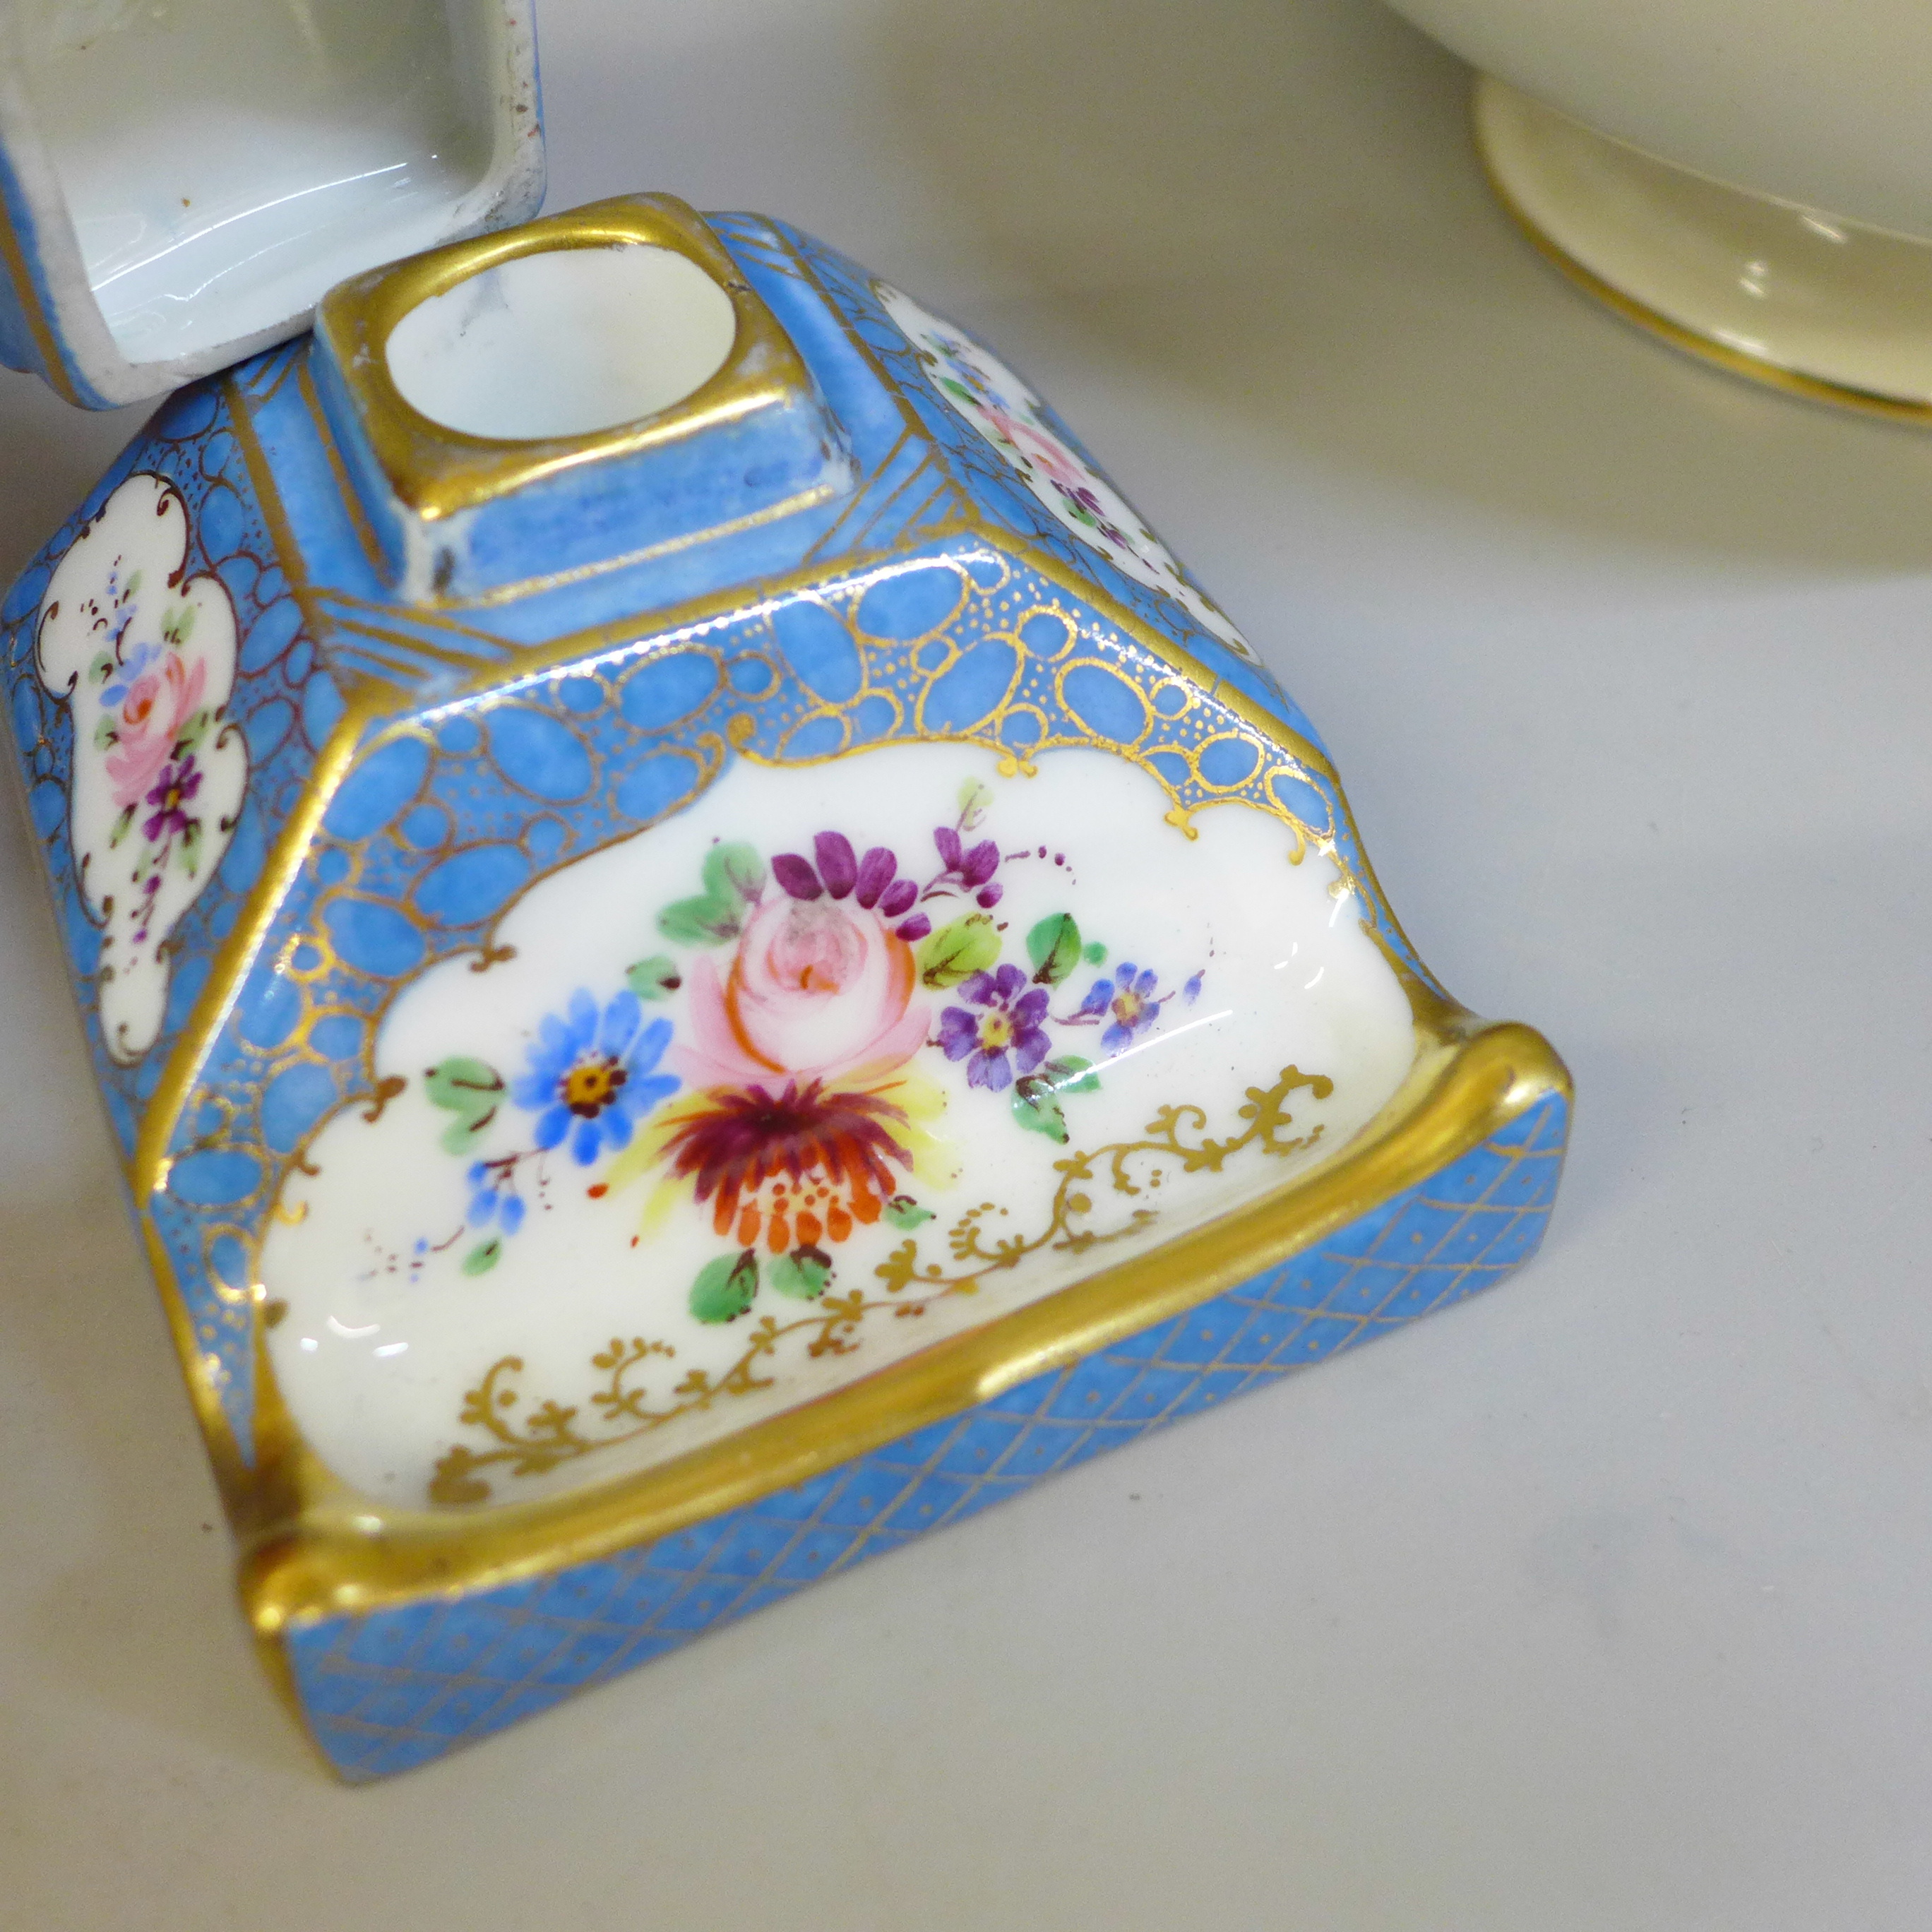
x=957 y=951
x=733 y=876
x=725 y=1288
x=802 y=1274
x=1036 y=1107
x=974 y=797
x=656 y=978
x=1036 y=1101
x=470 y=1090
x=1053 y=947
x=1070 y=1074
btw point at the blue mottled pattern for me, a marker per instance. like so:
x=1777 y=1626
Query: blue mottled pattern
x=984 y=475
x=400 y=1687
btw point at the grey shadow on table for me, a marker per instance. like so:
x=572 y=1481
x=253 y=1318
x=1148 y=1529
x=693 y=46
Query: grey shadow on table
x=139 y=1616
x=51 y=455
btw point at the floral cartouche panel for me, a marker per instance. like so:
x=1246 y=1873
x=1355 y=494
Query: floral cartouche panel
x=145 y=658
x=648 y=1073
x=838 y=1062
x=1007 y=413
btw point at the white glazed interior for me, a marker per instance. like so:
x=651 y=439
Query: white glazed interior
x=224 y=161
x=385 y=1332
x=564 y=342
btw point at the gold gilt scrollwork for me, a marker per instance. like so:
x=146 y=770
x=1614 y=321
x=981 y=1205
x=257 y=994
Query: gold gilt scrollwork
x=552 y=1433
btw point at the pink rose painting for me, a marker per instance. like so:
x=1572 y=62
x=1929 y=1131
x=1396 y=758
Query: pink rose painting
x=781 y=1094
x=785 y=1101
x=157 y=705
x=805 y=1121
x=817 y=988
x=762 y=1105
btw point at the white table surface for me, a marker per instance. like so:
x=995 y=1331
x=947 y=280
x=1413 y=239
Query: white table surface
x=1604 y=1601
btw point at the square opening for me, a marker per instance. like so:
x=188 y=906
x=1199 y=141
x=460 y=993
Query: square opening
x=564 y=342
x=225 y=161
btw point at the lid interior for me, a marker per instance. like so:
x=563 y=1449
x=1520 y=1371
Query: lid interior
x=223 y=160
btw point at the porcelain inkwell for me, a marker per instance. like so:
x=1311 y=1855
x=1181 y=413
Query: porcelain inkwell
x=702 y=955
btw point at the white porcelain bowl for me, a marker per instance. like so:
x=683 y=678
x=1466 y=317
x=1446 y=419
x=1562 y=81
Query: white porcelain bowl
x=1798 y=232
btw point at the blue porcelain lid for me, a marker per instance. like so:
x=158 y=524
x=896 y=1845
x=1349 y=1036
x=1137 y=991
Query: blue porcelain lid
x=180 y=180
